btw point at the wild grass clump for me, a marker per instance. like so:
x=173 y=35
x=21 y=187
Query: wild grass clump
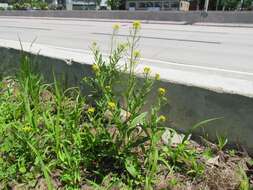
x=59 y=139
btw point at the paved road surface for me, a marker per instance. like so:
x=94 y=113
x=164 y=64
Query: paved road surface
x=215 y=57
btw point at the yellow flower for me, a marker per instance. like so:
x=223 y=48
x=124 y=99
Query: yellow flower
x=27 y=129
x=95 y=68
x=147 y=70
x=162 y=118
x=157 y=76
x=94 y=44
x=91 y=110
x=137 y=25
x=116 y=27
x=137 y=54
x=111 y=105
x=123 y=46
x=161 y=91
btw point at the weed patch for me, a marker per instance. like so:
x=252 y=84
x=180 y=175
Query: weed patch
x=51 y=138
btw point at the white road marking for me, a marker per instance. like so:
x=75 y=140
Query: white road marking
x=197 y=67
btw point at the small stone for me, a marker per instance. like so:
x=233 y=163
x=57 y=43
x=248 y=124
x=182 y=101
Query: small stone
x=213 y=161
x=172 y=138
x=124 y=115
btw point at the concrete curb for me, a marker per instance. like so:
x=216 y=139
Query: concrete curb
x=234 y=25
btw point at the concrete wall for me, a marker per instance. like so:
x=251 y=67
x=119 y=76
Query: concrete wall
x=187 y=105
x=190 y=17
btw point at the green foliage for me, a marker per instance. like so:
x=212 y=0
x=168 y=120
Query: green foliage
x=244 y=180
x=114 y=4
x=208 y=153
x=21 y=6
x=29 y=4
x=233 y=5
x=222 y=141
x=230 y=4
x=247 y=4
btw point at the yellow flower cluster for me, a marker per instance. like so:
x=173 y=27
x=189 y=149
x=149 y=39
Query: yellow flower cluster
x=146 y=70
x=123 y=46
x=157 y=76
x=137 y=25
x=116 y=27
x=111 y=105
x=137 y=54
x=94 y=44
x=95 y=68
x=161 y=91
x=162 y=118
x=27 y=129
x=91 y=110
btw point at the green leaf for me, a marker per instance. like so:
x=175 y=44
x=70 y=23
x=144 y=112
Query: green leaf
x=166 y=163
x=200 y=124
x=44 y=168
x=138 y=142
x=131 y=167
x=66 y=177
x=22 y=169
x=140 y=119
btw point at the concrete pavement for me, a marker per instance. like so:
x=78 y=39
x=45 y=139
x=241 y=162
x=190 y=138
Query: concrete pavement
x=213 y=57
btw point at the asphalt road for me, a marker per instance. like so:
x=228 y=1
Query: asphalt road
x=217 y=51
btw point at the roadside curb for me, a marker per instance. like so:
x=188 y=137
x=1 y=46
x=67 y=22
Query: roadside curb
x=230 y=25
